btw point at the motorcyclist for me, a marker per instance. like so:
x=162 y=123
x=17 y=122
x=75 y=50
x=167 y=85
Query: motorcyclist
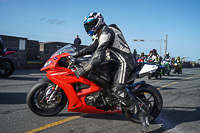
x=153 y=57
x=142 y=56
x=1 y=46
x=141 y=59
x=173 y=60
x=167 y=58
x=179 y=62
x=109 y=44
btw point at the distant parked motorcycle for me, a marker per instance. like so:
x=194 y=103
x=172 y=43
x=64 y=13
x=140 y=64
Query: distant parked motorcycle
x=7 y=66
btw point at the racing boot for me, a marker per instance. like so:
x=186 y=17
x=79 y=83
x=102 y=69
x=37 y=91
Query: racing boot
x=143 y=115
x=130 y=102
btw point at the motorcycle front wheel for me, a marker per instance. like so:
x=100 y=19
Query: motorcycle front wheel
x=7 y=67
x=150 y=99
x=37 y=100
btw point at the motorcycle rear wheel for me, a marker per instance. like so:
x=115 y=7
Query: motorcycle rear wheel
x=37 y=103
x=7 y=67
x=168 y=73
x=152 y=98
x=163 y=72
x=149 y=76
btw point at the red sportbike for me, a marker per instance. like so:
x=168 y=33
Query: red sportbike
x=90 y=93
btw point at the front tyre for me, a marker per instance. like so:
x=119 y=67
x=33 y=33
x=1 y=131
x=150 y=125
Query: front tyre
x=37 y=100
x=152 y=99
x=7 y=67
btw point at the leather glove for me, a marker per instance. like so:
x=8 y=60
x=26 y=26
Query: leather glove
x=82 y=70
x=79 y=71
x=76 y=54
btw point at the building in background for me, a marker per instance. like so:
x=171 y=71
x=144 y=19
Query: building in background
x=32 y=53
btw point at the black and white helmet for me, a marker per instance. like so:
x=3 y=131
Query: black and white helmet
x=92 y=22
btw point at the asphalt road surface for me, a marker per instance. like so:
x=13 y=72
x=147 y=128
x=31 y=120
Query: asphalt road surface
x=180 y=114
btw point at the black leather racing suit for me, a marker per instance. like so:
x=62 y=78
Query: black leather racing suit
x=110 y=45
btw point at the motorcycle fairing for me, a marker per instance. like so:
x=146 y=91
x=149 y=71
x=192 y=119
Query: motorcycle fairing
x=65 y=78
x=147 y=68
x=8 y=52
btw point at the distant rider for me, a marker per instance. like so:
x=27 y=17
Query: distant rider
x=142 y=56
x=179 y=62
x=153 y=57
x=168 y=59
x=109 y=44
x=141 y=59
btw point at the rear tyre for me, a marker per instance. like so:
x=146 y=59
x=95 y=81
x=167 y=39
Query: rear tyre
x=36 y=100
x=7 y=67
x=168 y=73
x=151 y=97
x=149 y=76
x=163 y=72
x=156 y=76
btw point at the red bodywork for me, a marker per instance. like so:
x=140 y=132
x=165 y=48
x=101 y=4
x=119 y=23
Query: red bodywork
x=64 y=78
x=140 y=61
x=8 y=52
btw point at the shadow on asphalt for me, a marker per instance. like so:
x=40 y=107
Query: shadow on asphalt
x=171 y=117
x=97 y=116
x=24 y=78
x=165 y=78
x=119 y=117
x=107 y=117
x=165 y=88
x=66 y=114
x=13 y=98
x=27 y=71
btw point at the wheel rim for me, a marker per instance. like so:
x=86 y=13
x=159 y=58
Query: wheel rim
x=40 y=99
x=148 y=100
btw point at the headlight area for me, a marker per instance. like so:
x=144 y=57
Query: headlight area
x=63 y=62
x=47 y=63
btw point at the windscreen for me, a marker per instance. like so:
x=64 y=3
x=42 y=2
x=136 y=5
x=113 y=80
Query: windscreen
x=66 y=49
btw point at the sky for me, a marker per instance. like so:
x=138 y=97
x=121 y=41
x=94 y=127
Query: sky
x=151 y=20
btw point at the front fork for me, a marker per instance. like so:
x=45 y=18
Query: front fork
x=52 y=94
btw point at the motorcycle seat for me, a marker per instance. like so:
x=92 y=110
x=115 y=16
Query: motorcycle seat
x=134 y=75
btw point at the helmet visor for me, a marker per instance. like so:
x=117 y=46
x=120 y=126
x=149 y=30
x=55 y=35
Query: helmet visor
x=90 y=25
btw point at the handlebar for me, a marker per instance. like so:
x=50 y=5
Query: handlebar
x=72 y=61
